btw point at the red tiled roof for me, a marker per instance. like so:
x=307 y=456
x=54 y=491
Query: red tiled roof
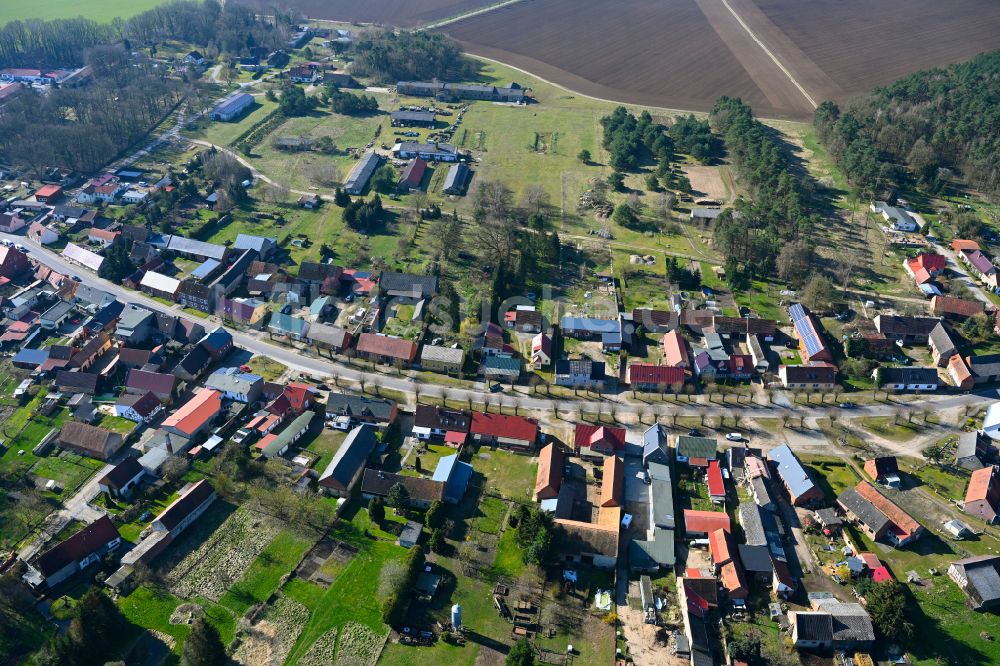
x=881 y=574
x=979 y=484
x=501 y=425
x=48 y=191
x=732 y=580
x=647 y=373
x=706 y=521
x=588 y=435
x=549 y=475
x=612 y=481
x=721 y=546
x=961 y=245
x=675 y=348
x=382 y=345
x=962 y=307
x=902 y=520
x=716 y=486
x=193 y=414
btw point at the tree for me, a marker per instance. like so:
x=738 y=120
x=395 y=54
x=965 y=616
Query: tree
x=584 y=156
x=521 y=654
x=745 y=645
x=818 y=293
x=294 y=102
x=625 y=216
x=376 y=510
x=795 y=262
x=96 y=623
x=652 y=183
x=617 y=181
x=398 y=498
x=203 y=646
x=341 y=198
x=384 y=179
x=437 y=541
x=887 y=608
x=435 y=515
x=174 y=469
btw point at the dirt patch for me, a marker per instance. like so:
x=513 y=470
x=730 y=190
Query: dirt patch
x=707 y=182
x=186 y=614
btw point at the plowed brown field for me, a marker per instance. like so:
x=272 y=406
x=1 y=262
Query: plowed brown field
x=404 y=13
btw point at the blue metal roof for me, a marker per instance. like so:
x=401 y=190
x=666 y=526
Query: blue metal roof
x=455 y=475
x=31 y=356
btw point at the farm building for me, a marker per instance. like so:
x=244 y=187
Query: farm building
x=457 y=180
x=358 y=179
x=232 y=107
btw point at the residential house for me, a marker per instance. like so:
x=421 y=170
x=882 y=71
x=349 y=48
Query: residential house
x=695 y=451
x=443 y=359
x=412 y=175
x=801 y=488
x=236 y=385
x=330 y=338
x=421 y=492
x=288 y=326
x=899 y=219
x=580 y=373
x=346 y=411
x=195 y=416
x=878 y=517
x=699 y=524
x=809 y=333
x=907 y=329
x=609 y=331
x=76 y=553
x=981 y=266
x=386 y=349
x=56 y=316
x=675 y=350
x=441 y=423
x=139 y=408
x=160 y=384
x=244 y=311
x=123 y=477
x=982 y=497
x=135 y=325
x=348 y=464
x=541 y=351
x=598 y=440
x=906 y=378
x=13 y=262
x=819 y=376
x=455 y=476
x=979 y=578
x=654 y=446
x=648 y=377
x=518 y=433
x=524 y=319
x=88 y=440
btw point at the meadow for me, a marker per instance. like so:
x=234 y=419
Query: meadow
x=102 y=11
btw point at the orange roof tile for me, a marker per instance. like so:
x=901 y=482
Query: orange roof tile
x=979 y=484
x=195 y=412
x=613 y=481
x=900 y=518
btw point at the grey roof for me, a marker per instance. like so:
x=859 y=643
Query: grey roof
x=413 y=116
x=696 y=447
x=195 y=247
x=205 y=269
x=985 y=365
x=985 y=580
x=442 y=354
x=750 y=521
x=407 y=284
x=504 y=366
x=968 y=445
x=457 y=178
x=941 y=340
x=791 y=471
x=232 y=380
x=814 y=626
x=233 y=103
x=755 y=558
x=260 y=243
x=654 y=439
x=908 y=375
x=891 y=325
x=357 y=406
x=326 y=334
x=427 y=148
x=662 y=506
x=658 y=550
x=865 y=511
x=350 y=457
x=851 y=621
x=92 y=295
x=57 y=311
x=761 y=491
x=362 y=171
x=828 y=517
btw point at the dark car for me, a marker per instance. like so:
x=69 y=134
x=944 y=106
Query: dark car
x=694 y=433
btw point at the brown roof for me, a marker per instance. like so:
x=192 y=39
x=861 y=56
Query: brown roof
x=900 y=518
x=144 y=404
x=92 y=439
x=583 y=538
x=613 y=481
x=157 y=382
x=949 y=305
x=77 y=381
x=122 y=473
x=383 y=345
x=376 y=482
x=743 y=326
x=550 y=471
x=89 y=540
x=184 y=505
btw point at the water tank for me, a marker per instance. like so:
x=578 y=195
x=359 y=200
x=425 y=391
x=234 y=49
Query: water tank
x=456 y=616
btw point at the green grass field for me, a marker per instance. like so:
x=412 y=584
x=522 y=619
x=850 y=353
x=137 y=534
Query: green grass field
x=263 y=576
x=102 y=11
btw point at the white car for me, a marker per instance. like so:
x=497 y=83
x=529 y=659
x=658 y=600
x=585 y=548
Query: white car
x=734 y=437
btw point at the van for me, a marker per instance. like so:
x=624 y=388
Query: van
x=735 y=437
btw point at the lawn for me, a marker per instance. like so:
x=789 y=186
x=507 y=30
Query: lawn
x=429 y=455
x=68 y=469
x=508 y=562
x=102 y=12
x=510 y=474
x=885 y=427
x=949 y=482
x=490 y=515
x=223 y=134
x=151 y=609
x=325 y=445
x=266 y=367
x=351 y=598
x=117 y=424
x=831 y=472
x=264 y=575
